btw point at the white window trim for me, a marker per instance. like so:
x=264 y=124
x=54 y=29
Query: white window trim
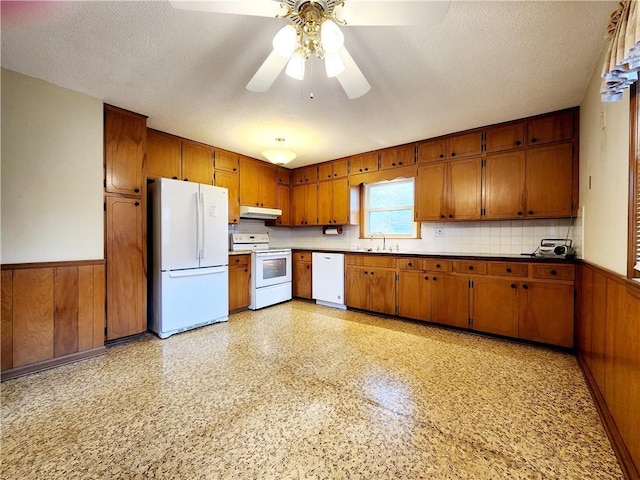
x=365 y=210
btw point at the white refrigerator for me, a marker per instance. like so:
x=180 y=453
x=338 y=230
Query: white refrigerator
x=190 y=267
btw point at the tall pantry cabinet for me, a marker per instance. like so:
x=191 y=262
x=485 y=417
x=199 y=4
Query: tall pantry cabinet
x=125 y=136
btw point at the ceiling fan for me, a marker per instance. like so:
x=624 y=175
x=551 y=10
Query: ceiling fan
x=313 y=29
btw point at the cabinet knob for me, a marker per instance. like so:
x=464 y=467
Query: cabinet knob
x=366 y=169
x=534 y=140
x=437 y=265
x=186 y=179
x=442 y=155
x=366 y=273
x=518 y=143
x=450 y=216
x=520 y=212
x=453 y=154
x=530 y=212
x=508 y=270
x=308 y=267
x=470 y=267
x=441 y=216
x=553 y=272
x=513 y=285
x=426 y=278
x=137 y=190
x=372 y=273
x=525 y=286
x=174 y=178
x=435 y=279
x=399 y=163
x=393 y=164
x=335 y=174
x=410 y=264
x=359 y=169
x=234 y=169
x=137 y=204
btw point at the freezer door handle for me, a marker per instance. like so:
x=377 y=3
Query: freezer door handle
x=196 y=271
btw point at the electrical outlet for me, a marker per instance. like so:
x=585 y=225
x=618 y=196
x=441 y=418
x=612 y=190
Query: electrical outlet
x=439 y=232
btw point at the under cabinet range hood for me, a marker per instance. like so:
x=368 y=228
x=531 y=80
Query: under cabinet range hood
x=247 y=211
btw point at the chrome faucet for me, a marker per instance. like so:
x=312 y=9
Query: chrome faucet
x=384 y=240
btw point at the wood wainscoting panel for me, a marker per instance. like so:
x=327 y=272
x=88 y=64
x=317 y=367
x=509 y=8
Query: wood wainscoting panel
x=32 y=315
x=52 y=313
x=65 y=331
x=6 y=348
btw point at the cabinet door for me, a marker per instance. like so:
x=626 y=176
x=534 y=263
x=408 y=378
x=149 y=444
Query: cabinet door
x=298 y=204
x=546 y=313
x=506 y=137
x=495 y=306
x=551 y=128
x=239 y=281
x=370 y=162
x=249 y=182
x=432 y=151
x=430 y=190
x=450 y=300
x=414 y=295
x=325 y=202
x=268 y=185
x=340 y=168
x=125 y=139
x=311 y=204
x=325 y=171
x=197 y=163
x=466 y=145
x=341 y=204
x=284 y=204
x=284 y=176
x=227 y=161
x=356 y=288
x=504 y=182
x=163 y=155
x=229 y=180
x=126 y=268
x=382 y=291
x=397 y=157
x=302 y=279
x=549 y=180
x=465 y=189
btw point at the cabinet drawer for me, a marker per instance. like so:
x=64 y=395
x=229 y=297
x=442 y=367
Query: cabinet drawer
x=410 y=264
x=559 y=272
x=437 y=265
x=509 y=269
x=477 y=268
x=371 y=260
x=236 y=260
x=302 y=256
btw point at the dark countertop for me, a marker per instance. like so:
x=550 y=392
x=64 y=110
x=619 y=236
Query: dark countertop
x=453 y=256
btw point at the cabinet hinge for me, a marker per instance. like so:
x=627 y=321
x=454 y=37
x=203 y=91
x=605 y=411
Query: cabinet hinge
x=105 y=331
x=484 y=163
x=104 y=183
x=470 y=283
x=105 y=206
x=397 y=277
x=397 y=310
x=470 y=322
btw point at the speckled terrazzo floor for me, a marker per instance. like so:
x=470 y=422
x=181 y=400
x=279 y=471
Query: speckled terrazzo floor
x=298 y=391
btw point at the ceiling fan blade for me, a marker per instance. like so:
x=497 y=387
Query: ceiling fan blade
x=267 y=73
x=352 y=79
x=386 y=12
x=257 y=8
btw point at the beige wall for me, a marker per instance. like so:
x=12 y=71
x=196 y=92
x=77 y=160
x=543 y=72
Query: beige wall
x=51 y=186
x=604 y=157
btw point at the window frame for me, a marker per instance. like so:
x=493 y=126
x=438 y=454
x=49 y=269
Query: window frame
x=415 y=234
x=633 y=251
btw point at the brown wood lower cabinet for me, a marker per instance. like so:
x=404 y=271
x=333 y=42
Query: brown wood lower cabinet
x=239 y=282
x=302 y=275
x=51 y=313
x=370 y=283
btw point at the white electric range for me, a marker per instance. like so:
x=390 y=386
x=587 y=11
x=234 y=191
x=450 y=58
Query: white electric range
x=270 y=269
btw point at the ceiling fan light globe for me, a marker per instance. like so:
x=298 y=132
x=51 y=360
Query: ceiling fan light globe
x=279 y=156
x=285 y=41
x=333 y=65
x=331 y=36
x=295 y=67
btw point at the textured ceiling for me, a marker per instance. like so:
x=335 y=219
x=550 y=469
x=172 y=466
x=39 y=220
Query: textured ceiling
x=486 y=62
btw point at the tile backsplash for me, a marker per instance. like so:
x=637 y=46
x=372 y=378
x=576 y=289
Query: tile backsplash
x=498 y=237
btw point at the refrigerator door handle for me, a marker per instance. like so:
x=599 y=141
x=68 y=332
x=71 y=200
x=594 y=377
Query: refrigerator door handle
x=202 y=225
x=197 y=226
x=193 y=272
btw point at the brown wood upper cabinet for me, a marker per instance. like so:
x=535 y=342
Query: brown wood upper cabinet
x=555 y=127
x=431 y=151
x=367 y=162
x=197 y=162
x=457 y=146
x=227 y=161
x=504 y=137
x=125 y=144
x=258 y=182
x=305 y=175
x=304 y=204
x=169 y=156
x=337 y=202
x=398 y=156
x=334 y=169
x=284 y=176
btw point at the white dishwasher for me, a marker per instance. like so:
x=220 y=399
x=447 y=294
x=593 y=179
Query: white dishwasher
x=327 y=279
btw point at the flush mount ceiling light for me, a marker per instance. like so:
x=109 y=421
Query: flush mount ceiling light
x=313 y=30
x=279 y=155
